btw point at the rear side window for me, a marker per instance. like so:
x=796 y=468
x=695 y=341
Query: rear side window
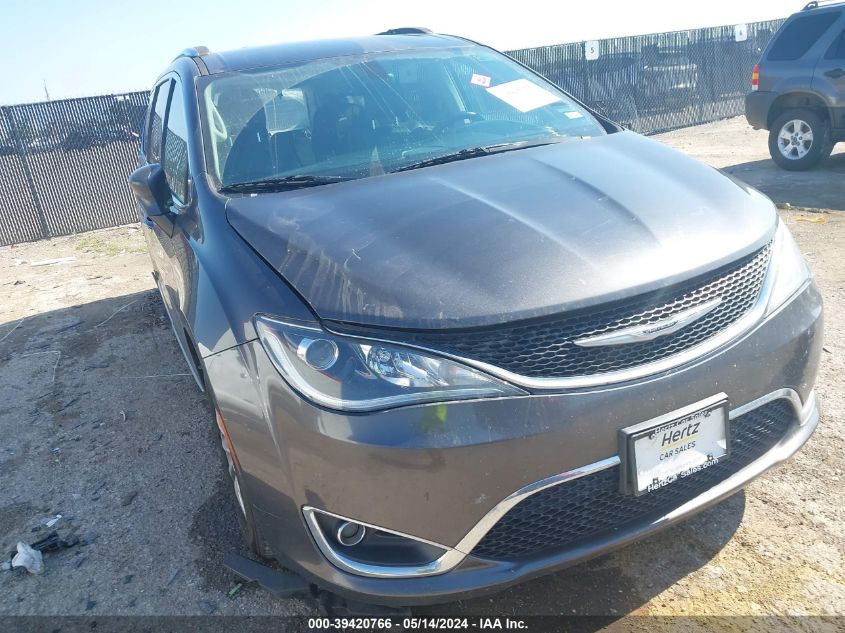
x=156 y=124
x=837 y=51
x=175 y=160
x=800 y=35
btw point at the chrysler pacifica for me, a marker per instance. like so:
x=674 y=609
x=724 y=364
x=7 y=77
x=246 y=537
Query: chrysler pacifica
x=458 y=329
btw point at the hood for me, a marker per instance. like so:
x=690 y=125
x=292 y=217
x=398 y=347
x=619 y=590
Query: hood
x=505 y=237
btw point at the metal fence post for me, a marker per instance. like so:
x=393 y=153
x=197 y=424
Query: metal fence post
x=12 y=126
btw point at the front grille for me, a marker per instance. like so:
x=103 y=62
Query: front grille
x=546 y=348
x=562 y=516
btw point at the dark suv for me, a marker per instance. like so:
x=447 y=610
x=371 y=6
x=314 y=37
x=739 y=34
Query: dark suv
x=798 y=88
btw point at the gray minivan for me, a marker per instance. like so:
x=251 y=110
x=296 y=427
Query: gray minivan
x=457 y=329
x=798 y=88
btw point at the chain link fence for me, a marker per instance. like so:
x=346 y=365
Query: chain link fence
x=63 y=164
x=660 y=82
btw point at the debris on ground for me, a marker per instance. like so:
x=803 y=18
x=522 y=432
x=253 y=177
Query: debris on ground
x=31 y=556
x=786 y=206
x=281 y=583
x=56 y=260
x=128 y=498
x=28 y=558
x=207 y=607
x=818 y=219
x=173 y=577
x=52 y=542
x=68 y=326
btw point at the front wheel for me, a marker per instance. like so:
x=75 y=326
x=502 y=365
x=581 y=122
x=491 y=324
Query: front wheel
x=252 y=535
x=799 y=140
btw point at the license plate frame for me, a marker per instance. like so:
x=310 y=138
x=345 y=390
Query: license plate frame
x=674 y=422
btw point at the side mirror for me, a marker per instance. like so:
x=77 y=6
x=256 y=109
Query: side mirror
x=149 y=186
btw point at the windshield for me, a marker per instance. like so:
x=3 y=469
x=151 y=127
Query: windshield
x=359 y=116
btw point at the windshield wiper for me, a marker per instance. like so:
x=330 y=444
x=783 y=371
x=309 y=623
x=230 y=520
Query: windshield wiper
x=474 y=152
x=463 y=154
x=297 y=181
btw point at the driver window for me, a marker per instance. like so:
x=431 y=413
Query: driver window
x=175 y=160
x=155 y=126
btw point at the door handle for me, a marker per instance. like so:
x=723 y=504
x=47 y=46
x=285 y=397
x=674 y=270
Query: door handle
x=837 y=73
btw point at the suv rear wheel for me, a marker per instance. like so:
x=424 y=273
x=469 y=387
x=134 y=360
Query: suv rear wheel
x=799 y=139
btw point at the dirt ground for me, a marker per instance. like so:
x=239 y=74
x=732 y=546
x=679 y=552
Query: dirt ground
x=103 y=425
x=741 y=151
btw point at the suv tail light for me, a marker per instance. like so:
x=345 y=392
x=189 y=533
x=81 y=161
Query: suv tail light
x=755 y=77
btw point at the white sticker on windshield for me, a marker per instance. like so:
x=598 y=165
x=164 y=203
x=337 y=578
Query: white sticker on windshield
x=574 y=115
x=480 y=80
x=523 y=95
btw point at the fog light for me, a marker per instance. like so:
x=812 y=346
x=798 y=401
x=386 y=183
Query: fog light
x=369 y=550
x=349 y=533
x=319 y=354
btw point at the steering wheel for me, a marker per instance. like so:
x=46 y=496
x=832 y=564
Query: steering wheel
x=463 y=115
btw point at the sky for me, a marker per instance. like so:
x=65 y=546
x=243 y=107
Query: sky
x=86 y=47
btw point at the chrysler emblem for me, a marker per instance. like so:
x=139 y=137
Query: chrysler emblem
x=650 y=331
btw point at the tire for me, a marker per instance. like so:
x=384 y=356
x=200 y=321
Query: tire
x=252 y=535
x=249 y=527
x=789 y=144
x=246 y=519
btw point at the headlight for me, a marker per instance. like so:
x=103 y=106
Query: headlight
x=354 y=374
x=788 y=267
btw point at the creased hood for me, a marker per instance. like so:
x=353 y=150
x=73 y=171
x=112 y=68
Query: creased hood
x=505 y=237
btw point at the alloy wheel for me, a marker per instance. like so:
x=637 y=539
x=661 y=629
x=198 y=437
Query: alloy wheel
x=795 y=139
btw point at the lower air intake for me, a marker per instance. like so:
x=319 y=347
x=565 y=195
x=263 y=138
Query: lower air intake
x=561 y=516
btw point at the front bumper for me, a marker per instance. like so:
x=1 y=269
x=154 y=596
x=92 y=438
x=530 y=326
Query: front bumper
x=438 y=472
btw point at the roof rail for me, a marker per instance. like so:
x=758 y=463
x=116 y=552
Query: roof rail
x=407 y=30
x=194 y=51
x=815 y=4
